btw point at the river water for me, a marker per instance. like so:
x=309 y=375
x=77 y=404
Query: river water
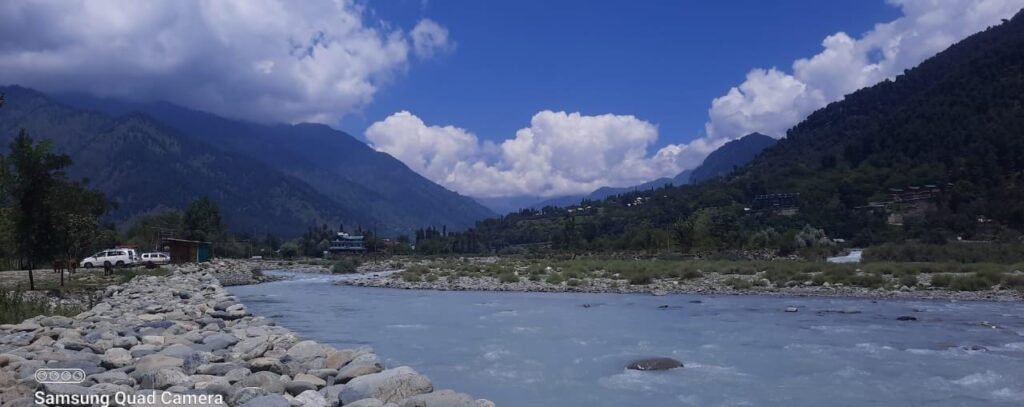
x=568 y=350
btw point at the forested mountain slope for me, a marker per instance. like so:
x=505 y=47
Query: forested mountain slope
x=954 y=125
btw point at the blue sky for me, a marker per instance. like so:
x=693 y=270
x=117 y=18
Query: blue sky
x=493 y=98
x=662 y=61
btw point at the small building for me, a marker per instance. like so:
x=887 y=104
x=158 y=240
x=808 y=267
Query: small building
x=188 y=251
x=346 y=243
x=786 y=204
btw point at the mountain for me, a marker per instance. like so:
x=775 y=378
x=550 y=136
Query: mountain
x=947 y=134
x=508 y=204
x=726 y=159
x=602 y=193
x=281 y=178
x=731 y=156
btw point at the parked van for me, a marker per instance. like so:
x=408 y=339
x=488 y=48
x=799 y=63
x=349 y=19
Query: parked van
x=109 y=258
x=155 y=259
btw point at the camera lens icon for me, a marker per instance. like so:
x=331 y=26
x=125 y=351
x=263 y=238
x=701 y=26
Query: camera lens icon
x=59 y=375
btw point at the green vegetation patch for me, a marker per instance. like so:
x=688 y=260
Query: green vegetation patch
x=14 y=308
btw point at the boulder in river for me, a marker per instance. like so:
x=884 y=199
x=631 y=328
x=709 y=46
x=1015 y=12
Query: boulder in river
x=906 y=318
x=655 y=364
x=391 y=385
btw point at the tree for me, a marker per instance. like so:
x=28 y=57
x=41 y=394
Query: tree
x=289 y=250
x=203 y=221
x=28 y=175
x=76 y=213
x=146 y=230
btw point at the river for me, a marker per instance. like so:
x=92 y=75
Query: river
x=569 y=350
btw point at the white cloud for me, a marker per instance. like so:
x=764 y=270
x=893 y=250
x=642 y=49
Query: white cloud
x=430 y=38
x=771 y=101
x=559 y=153
x=263 y=60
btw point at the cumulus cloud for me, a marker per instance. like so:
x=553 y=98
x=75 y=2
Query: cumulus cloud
x=263 y=60
x=559 y=153
x=430 y=38
x=771 y=101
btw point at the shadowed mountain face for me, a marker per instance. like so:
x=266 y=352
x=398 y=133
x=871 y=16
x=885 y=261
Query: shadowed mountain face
x=731 y=156
x=276 y=178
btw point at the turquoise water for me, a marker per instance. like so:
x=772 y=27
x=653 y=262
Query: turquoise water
x=543 y=349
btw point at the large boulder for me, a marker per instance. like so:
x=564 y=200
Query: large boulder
x=219 y=341
x=267 y=364
x=265 y=380
x=156 y=362
x=243 y=395
x=310 y=398
x=113 y=377
x=251 y=348
x=115 y=358
x=655 y=364
x=296 y=387
x=392 y=385
x=338 y=358
x=306 y=350
x=444 y=398
x=163 y=379
x=270 y=400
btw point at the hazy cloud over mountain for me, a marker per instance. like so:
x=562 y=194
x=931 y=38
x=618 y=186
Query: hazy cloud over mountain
x=263 y=60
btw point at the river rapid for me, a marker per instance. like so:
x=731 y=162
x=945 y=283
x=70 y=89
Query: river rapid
x=568 y=350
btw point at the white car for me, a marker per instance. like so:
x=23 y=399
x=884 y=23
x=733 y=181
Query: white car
x=155 y=259
x=109 y=258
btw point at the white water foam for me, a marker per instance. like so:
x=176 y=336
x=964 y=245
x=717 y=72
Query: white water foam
x=982 y=379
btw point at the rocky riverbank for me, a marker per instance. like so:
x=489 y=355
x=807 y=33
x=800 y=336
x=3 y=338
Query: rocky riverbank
x=183 y=340
x=710 y=283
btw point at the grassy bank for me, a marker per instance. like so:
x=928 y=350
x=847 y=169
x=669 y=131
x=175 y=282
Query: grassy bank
x=15 y=307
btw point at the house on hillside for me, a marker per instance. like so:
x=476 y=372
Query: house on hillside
x=906 y=203
x=786 y=204
x=346 y=243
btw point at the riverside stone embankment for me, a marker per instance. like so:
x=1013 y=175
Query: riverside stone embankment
x=708 y=284
x=184 y=340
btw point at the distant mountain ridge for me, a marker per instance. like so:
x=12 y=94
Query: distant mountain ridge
x=721 y=162
x=319 y=175
x=730 y=156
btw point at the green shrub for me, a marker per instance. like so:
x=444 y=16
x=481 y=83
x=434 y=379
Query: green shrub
x=573 y=282
x=430 y=278
x=411 y=277
x=554 y=278
x=972 y=282
x=14 y=308
x=508 y=277
x=738 y=283
x=1013 y=281
x=942 y=280
x=908 y=279
x=345 y=265
x=691 y=274
x=640 y=279
x=417 y=269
